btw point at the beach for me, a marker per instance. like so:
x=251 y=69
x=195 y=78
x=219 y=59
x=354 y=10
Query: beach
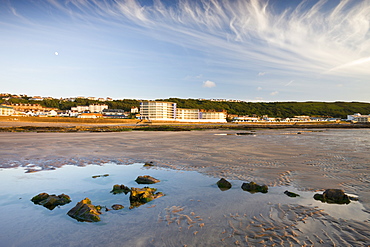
x=308 y=160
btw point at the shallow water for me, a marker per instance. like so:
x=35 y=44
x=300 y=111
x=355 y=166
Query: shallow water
x=193 y=212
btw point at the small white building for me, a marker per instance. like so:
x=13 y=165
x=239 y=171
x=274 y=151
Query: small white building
x=97 y=108
x=91 y=108
x=358 y=118
x=6 y=110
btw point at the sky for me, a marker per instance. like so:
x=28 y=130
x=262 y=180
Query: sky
x=250 y=50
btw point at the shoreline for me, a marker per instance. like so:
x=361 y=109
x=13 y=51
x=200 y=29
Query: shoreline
x=135 y=125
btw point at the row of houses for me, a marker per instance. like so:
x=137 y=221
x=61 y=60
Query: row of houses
x=91 y=111
x=157 y=110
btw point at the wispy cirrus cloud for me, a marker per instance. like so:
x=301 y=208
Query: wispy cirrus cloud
x=311 y=37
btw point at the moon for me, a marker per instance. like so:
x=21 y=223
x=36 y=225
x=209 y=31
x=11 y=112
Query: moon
x=56 y=53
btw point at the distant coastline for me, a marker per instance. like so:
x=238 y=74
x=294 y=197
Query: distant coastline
x=37 y=124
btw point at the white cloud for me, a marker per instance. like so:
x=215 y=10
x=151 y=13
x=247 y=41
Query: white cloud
x=262 y=73
x=289 y=83
x=209 y=84
x=259 y=88
x=274 y=93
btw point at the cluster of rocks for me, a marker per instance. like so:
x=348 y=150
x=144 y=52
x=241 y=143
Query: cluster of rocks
x=336 y=196
x=251 y=187
x=87 y=212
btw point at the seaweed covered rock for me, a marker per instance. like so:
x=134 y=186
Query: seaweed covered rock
x=149 y=164
x=118 y=189
x=290 y=194
x=117 y=206
x=252 y=187
x=336 y=196
x=146 y=180
x=85 y=211
x=140 y=196
x=51 y=201
x=223 y=184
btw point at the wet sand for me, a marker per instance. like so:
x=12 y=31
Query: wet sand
x=310 y=161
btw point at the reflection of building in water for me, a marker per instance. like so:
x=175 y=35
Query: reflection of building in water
x=156 y=110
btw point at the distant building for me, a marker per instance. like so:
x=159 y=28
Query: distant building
x=97 y=108
x=6 y=110
x=114 y=113
x=80 y=108
x=91 y=108
x=36 y=98
x=168 y=111
x=156 y=110
x=358 y=118
x=134 y=110
x=26 y=109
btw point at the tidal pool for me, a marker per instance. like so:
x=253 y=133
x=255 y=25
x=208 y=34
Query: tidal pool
x=193 y=212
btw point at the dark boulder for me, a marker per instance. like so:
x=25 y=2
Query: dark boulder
x=252 y=187
x=223 y=184
x=146 y=180
x=140 y=196
x=118 y=189
x=290 y=194
x=85 y=211
x=117 y=206
x=51 y=201
x=149 y=164
x=336 y=196
x=100 y=176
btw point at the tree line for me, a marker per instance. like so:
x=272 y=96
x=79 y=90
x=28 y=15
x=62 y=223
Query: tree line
x=272 y=109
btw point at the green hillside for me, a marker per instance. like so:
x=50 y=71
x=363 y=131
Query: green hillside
x=272 y=109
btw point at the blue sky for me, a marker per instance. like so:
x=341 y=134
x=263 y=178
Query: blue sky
x=252 y=50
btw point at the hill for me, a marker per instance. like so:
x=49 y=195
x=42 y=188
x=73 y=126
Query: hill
x=272 y=109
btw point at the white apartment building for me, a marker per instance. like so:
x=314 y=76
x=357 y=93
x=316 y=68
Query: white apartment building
x=6 y=110
x=90 y=108
x=97 y=108
x=357 y=117
x=155 y=110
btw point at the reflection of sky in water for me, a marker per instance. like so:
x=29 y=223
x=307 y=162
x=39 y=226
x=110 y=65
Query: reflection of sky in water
x=191 y=190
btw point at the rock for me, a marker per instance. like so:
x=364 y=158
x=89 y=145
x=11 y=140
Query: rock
x=140 y=196
x=51 y=201
x=290 y=194
x=223 y=184
x=146 y=180
x=118 y=189
x=117 y=206
x=149 y=164
x=98 y=176
x=85 y=211
x=253 y=187
x=333 y=196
